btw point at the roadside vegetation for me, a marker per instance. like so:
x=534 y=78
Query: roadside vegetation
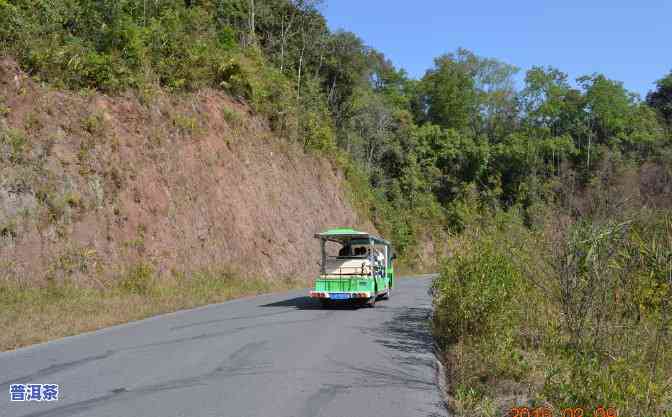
x=34 y=315
x=558 y=290
x=574 y=311
x=551 y=201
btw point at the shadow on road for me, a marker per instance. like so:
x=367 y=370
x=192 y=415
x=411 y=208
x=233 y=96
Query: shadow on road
x=307 y=303
x=407 y=336
x=408 y=332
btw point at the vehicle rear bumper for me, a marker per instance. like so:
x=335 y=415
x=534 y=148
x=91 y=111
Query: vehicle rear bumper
x=333 y=295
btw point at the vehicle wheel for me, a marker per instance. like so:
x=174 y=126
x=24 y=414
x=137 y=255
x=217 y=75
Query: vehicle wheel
x=386 y=296
x=371 y=302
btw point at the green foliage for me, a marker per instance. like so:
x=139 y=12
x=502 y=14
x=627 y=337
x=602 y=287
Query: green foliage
x=608 y=103
x=450 y=94
x=661 y=98
x=13 y=146
x=453 y=158
x=270 y=93
x=391 y=213
x=519 y=158
x=551 y=105
x=619 y=276
x=139 y=279
x=185 y=124
x=314 y=124
x=476 y=286
x=579 y=312
x=232 y=117
x=113 y=46
x=94 y=124
x=644 y=136
x=470 y=402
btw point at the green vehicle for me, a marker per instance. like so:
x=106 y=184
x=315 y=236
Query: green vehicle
x=354 y=266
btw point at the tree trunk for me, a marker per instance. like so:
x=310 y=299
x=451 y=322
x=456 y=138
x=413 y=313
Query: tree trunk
x=284 y=33
x=319 y=66
x=332 y=90
x=251 y=21
x=282 y=45
x=298 y=81
x=589 y=138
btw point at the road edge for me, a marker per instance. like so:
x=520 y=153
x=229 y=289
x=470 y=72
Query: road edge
x=103 y=330
x=441 y=380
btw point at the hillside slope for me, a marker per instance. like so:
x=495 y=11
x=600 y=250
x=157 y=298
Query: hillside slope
x=91 y=186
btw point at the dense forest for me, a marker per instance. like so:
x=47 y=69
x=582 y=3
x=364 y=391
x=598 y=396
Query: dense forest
x=552 y=198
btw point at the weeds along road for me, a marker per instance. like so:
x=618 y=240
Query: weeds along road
x=273 y=355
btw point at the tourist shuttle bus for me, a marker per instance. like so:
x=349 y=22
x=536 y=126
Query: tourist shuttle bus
x=355 y=266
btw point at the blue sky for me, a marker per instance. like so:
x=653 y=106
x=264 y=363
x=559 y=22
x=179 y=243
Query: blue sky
x=629 y=41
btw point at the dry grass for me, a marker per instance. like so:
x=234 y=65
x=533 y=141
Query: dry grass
x=513 y=334
x=35 y=315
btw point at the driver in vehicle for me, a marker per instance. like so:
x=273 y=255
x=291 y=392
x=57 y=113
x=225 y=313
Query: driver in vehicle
x=345 y=250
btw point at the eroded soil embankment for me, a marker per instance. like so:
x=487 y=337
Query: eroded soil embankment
x=92 y=185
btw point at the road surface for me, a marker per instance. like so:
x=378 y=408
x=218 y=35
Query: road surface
x=273 y=356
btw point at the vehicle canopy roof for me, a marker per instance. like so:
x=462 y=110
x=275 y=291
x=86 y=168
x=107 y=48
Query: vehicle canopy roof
x=343 y=234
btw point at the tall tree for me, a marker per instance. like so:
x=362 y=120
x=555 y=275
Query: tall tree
x=547 y=99
x=608 y=104
x=496 y=94
x=344 y=69
x=661 y=98
x=449 y=96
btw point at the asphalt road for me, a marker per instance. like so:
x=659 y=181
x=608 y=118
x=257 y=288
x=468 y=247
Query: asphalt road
x=273 y=355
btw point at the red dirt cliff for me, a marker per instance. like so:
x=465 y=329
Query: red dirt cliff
x=91 y=185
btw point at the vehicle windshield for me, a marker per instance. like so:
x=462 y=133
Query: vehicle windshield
x=347 y=249
x=353 y=249
x=344 y=250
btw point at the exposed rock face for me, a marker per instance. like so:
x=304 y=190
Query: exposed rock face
x=91 y=184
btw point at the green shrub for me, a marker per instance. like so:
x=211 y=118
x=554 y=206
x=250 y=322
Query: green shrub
x=112 y=47
x=139 y=279
x=94 y=124
x=13 y=146
x=477 y=288
x=186 y=125
x=232 y=117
